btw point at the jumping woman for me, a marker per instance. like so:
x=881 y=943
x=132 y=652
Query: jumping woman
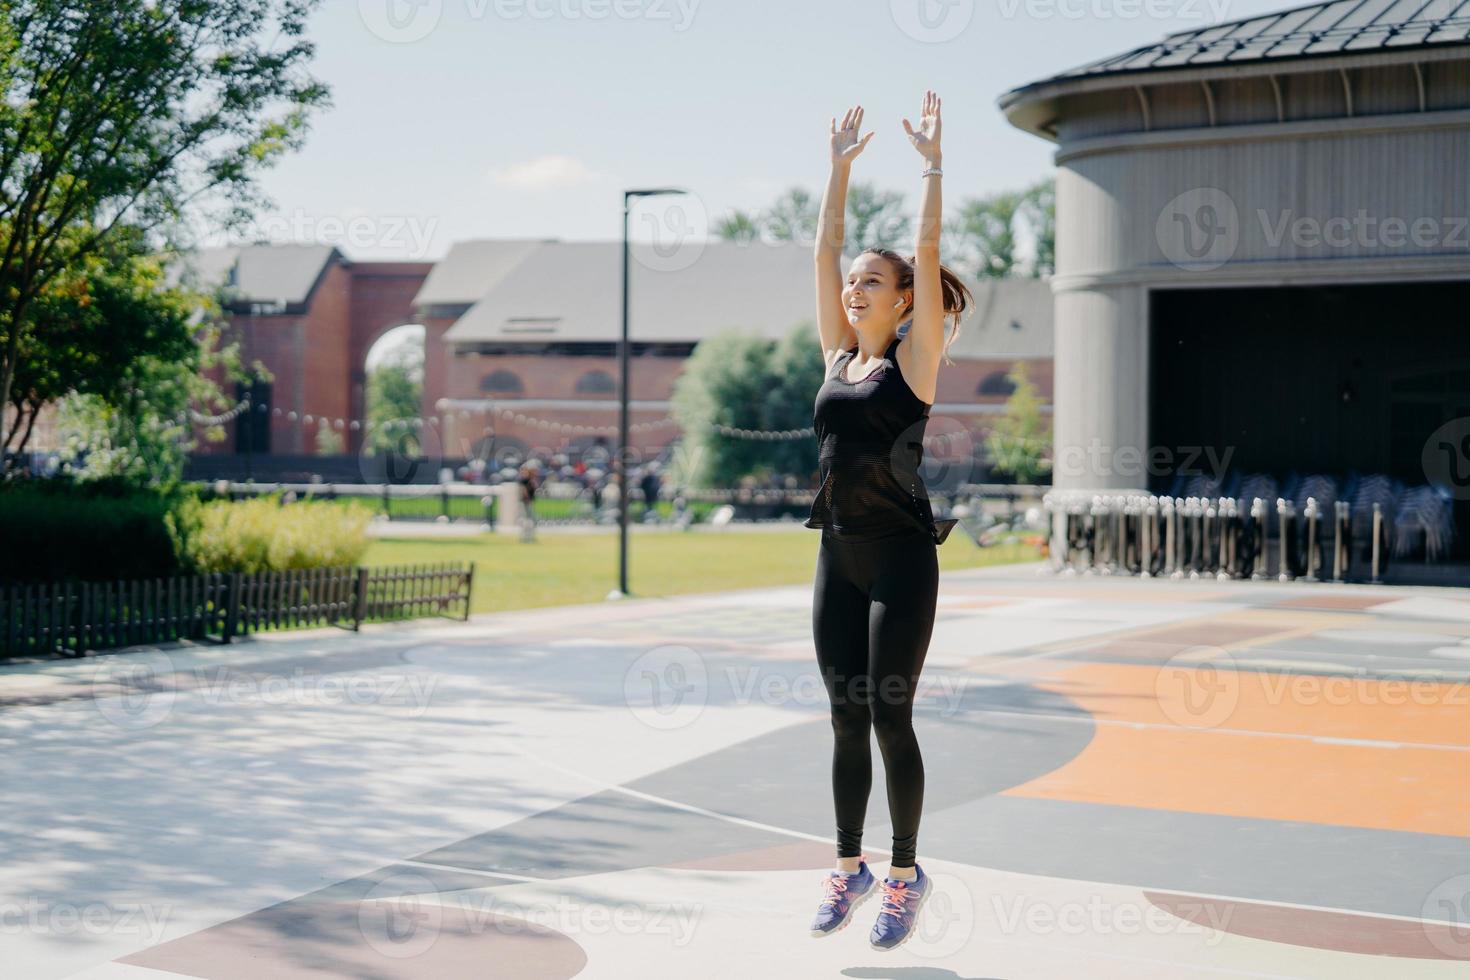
x=877 y=571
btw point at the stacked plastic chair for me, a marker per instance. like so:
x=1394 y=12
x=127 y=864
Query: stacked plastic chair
x=1251 y=525
x=1254 y=485
x=1375 y=492
x=1423 y=514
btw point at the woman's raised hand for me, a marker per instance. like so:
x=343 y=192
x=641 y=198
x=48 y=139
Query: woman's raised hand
x=845 y=143
x=926 y=137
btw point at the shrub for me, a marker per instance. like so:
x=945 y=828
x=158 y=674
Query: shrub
x=95 y=530
x=264 y=535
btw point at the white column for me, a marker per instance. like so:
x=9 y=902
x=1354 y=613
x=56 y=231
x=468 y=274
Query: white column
x=1100 y=401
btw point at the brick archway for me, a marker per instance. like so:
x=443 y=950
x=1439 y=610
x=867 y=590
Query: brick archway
x=382 y=300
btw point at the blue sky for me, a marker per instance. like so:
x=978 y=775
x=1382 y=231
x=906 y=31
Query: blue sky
x=527 y=118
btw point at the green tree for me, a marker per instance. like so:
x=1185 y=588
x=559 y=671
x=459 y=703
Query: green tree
x=738 y=226
x=128 y=113
x=793 y=218
x=1020 y=440
x=985 y=235
x=1039 y=210
x=329 y=441
x=874 y=218
x=125 y=357
x=394 y=393
x=983 y=232
x=742 y=381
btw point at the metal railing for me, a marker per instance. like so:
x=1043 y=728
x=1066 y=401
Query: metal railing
x=1214 y=537
x=563 y=502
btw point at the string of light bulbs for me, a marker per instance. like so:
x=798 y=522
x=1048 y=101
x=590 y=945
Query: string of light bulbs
x=522 y=418
x=569 y=428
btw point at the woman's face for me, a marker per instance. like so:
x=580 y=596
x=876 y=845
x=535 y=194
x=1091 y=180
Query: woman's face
x=871 y=296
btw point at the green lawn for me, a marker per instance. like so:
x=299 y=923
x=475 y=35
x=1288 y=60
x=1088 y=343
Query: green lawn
x=559 y=569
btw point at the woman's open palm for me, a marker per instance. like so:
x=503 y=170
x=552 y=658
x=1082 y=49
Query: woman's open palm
x=845 y=143
x=926 y=137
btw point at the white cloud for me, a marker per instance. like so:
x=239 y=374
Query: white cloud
x=546 y=173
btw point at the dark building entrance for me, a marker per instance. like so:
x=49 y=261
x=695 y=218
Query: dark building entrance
x=1341 y=382
x=253 y=427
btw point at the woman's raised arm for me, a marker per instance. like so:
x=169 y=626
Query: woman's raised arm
x=833 y=330
x=926 y=332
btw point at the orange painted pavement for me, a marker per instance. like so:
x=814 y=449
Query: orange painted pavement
x=1216 y=770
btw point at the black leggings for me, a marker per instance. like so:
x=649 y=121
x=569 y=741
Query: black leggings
x=872 y=615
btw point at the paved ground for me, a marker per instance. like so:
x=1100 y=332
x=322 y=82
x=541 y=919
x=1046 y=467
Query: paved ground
x=1125 y=779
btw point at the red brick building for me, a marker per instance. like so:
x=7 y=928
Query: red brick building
x=309 y=315
x=521 y=338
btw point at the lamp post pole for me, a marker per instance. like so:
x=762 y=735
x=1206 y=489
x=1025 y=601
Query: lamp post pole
x=620 y=463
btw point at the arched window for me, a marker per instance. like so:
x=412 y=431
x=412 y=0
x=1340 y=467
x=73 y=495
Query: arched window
x=596 y=382
x=996 y=383
x=501 y=382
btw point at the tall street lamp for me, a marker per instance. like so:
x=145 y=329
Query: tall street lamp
x=621 y=462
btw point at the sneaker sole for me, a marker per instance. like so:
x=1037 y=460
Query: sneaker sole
x=913 y=928
x=851 y=911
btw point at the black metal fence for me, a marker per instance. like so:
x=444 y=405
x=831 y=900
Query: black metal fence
x=563 y=502
x=74 y=617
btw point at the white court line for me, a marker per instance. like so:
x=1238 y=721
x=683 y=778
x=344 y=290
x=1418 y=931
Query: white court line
x=475 y=872
x=1210 y=730
x=772 y=828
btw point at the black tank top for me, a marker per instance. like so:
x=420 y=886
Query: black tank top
x=869 y=448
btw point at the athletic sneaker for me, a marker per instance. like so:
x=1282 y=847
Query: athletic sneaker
x=841 y=895
x=901 y=903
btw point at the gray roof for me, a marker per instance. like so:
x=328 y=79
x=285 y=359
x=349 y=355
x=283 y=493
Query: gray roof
x=571 y=291
x=1012 y=318
x=1334 y=28
x=472 y=268
x=256 y=273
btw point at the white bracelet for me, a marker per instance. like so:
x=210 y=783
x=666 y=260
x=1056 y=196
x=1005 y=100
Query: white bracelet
x=932 y=170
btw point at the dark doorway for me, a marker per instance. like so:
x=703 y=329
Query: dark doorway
x=253 y=426
x=1342 y=381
